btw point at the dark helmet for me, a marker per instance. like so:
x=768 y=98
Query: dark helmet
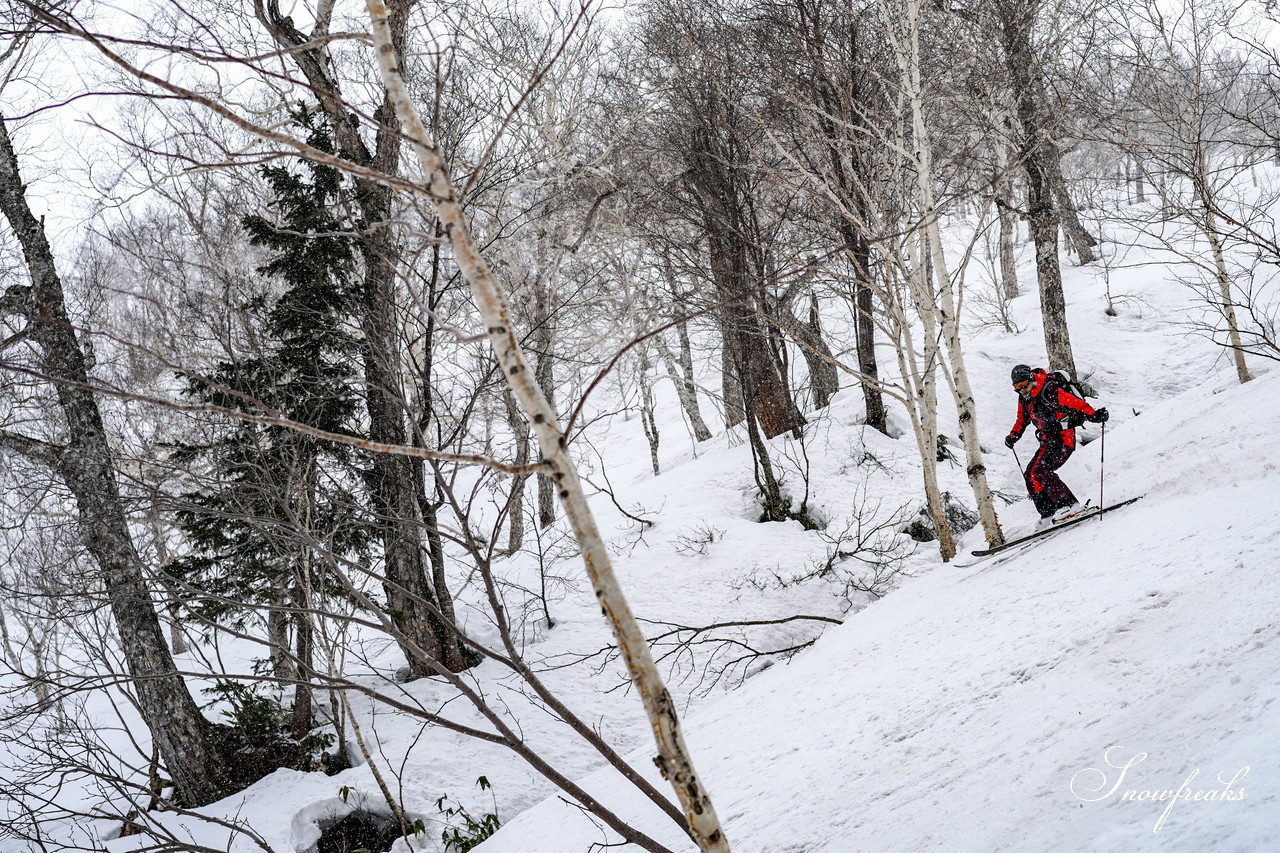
x=1021 y=373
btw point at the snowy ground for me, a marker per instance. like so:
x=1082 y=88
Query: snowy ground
x=955 y=713
x=973 y=709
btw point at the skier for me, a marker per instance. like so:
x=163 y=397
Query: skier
x=1056 y=412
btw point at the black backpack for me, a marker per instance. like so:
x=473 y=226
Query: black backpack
x=1070 y=418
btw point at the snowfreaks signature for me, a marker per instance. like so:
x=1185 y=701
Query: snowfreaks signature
x=1084 y=787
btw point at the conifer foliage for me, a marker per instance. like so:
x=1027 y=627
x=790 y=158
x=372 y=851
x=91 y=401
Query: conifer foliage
x=276 y=514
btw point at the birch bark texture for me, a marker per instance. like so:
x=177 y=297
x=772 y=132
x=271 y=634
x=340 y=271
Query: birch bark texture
x=673 y=758
x=938 y=288
x=686 y=389
x=1003 y=194
x=923 y=375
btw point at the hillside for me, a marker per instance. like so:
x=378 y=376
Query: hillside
x=426 y=426
x=955 y=713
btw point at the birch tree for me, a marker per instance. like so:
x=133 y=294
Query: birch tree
x=1183 y=125
x=907 y=52
x=673 y=756
x=435 y=187
x=861 y=185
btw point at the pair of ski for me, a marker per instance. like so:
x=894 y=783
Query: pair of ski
x=1092 y=512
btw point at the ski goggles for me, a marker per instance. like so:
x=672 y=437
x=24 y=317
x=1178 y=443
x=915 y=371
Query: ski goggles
x=1024 y=385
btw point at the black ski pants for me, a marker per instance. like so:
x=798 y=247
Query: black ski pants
x=1046 y=488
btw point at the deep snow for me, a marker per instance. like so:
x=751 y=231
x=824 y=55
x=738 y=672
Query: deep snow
x=954 y=713
x=974 y=708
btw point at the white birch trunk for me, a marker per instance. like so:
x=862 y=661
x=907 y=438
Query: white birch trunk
x=686 y=391
x=647 y=406
x=1221 y=274
x=1223 y=279
x=1008 y=224
x=966 y=406
x=673 y=756
x=924 y=394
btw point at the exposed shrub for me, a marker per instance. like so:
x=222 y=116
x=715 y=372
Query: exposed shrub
x=461 y=837
x=258 y=738
x=360 y=830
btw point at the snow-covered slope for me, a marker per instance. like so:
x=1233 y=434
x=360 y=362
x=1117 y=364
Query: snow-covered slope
x=985 y=707
x=973 y=709
x=957 y=712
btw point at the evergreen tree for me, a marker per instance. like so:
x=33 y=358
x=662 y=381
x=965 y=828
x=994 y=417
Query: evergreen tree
x=281 y=510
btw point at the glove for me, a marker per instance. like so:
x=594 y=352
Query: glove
x=1100 y=416
x=1010 y=440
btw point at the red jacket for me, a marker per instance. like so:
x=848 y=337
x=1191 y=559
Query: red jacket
x=1048 y=405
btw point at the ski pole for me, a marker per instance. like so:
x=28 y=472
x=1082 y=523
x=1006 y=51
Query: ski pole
x=1102 y=468
x=1016 y=459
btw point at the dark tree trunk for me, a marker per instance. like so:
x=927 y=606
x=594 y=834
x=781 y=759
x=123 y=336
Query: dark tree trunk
x=412 y=600
x=1053 y=304
x=515 y=504
x=546 y=502
x=435 y=552
x=545 y=374
x=429 y=504
x=824 y=380
x=1008 y=261
x=278 y=642
x=177 y=638
x=718 y=183
x=187 y=742
x=459 y=655
x=865 y=331
x=411 y=597
x=1039 y=156
x=1139 y=182
x=740 y=290
x=838 y=82
x=1082 y=242
x=823 y=376
x=735 y=409
x=301 y=722
x=764 y=387
x=772 y=505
